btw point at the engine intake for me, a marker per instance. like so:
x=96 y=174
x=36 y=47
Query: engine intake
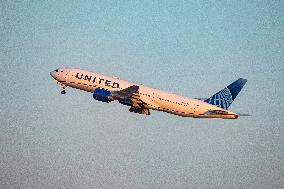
x=102 y=95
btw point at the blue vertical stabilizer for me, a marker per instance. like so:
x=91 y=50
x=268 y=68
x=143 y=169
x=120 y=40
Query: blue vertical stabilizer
x=226 y=96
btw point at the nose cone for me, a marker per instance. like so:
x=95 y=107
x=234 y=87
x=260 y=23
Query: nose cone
x=53 y=73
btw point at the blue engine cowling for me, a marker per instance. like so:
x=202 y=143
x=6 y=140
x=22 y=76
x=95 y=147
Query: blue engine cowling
x=102 y=95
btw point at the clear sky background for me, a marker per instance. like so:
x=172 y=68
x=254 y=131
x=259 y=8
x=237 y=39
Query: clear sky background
x=192 y=48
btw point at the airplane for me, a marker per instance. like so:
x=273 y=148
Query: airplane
x=142 y=99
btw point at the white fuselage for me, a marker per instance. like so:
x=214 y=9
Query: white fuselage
x=154 y=99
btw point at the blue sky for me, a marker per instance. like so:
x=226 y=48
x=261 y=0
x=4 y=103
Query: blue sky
x=192 y=48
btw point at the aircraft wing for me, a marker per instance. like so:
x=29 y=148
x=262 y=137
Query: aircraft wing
x=126 y=93
x=131 y=97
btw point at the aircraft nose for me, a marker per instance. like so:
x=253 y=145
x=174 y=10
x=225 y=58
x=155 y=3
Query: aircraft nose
x=53 y=73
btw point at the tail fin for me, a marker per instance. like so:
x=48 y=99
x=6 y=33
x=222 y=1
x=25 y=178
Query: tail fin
x=226 y=96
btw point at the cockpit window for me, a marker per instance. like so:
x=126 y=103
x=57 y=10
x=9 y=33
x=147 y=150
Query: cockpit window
x=56 y=70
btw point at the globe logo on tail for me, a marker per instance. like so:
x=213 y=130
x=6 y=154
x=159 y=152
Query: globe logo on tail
x=222 y=99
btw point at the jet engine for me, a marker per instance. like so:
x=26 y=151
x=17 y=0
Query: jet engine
x=102 y=95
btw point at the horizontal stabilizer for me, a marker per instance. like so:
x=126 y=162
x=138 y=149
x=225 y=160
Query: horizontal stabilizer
x=239 y=114
x=202 y=99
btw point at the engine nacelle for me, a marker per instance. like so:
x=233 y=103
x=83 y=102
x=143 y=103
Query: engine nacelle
x=102 y=95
